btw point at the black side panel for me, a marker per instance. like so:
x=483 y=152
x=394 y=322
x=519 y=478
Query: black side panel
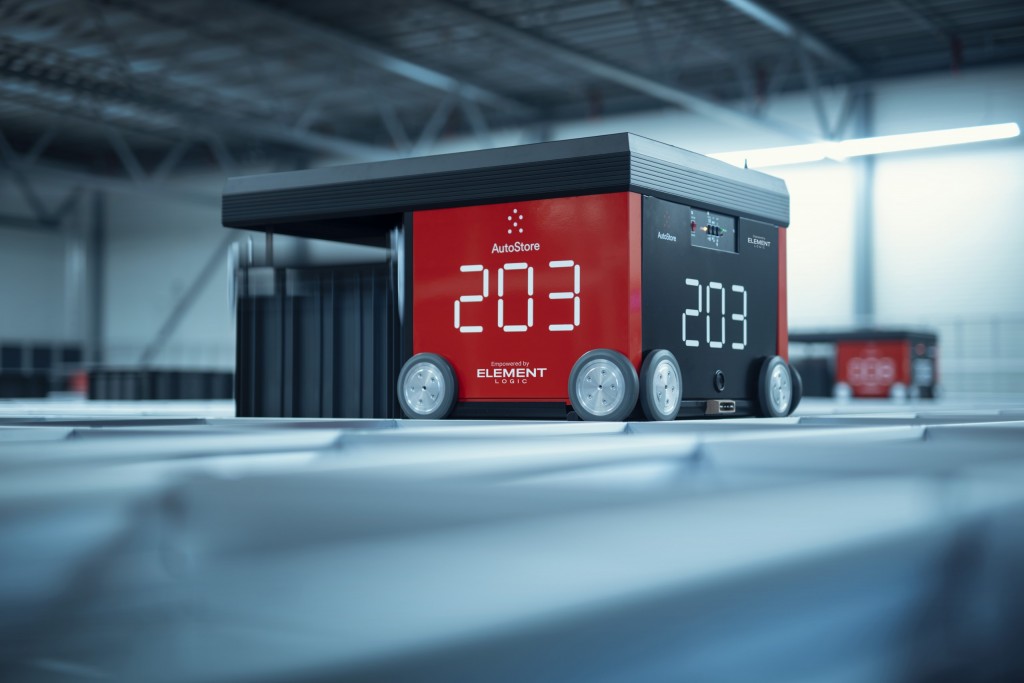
x=676 y=271
x=316 y=342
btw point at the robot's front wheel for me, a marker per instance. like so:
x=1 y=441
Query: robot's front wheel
x=661 y=385
x=427 y=388
x=603 y=385
x=778 y=391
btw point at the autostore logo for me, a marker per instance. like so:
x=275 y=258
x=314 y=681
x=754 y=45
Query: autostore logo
x=515 y=223
x=871 y=372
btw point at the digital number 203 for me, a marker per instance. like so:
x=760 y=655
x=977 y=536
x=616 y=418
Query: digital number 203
x=515 y=275
x=706 y=296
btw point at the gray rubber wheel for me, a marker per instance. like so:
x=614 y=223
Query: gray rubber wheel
x=603 y=386
x=775 y=388
x=427 y=388
x=798 y=389
x=661 y=385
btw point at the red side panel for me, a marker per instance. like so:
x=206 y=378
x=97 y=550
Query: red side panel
x=782 y=344
x=513 y=293
x=872 y=367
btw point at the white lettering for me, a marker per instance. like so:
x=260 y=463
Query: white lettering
x=515 y=247
x=510 y=373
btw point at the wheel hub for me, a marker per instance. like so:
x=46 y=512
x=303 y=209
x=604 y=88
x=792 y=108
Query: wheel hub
x=780 y=389
x=666 y=388
x=424 y=388
x=600 y=387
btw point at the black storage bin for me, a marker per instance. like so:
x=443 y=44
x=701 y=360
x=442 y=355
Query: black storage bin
x=817 y=375
x=24 y=384
x=159 y=385
x=316 y=342
x=10 y=357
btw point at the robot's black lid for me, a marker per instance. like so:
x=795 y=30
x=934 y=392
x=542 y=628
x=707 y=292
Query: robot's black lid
x=607 y=163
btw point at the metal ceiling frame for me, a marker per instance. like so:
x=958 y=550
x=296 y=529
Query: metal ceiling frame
x=338 y=39
x=188 y=116
x=788 y=29
x=628 y=78
x=126 y=67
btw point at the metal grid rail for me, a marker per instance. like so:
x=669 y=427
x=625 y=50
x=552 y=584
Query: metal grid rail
x=864 y=541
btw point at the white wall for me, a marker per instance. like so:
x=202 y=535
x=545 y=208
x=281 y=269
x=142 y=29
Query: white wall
x=32 y=305
x=947 y=221
x=155 y=249
x=33 y=265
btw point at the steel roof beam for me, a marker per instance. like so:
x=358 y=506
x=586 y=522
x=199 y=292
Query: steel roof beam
x=55 y=173
x=335 y=38
x=186 y=116
x=786 y=28
x=670 y=94
x=923 y=18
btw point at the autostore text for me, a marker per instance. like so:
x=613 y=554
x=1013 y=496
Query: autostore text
x=515 y=247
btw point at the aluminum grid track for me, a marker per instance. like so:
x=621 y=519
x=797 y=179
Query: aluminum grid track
x=863 y=541
x=607 y=163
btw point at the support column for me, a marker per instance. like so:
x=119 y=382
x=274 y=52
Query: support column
x=864 y=220
x=96 y=230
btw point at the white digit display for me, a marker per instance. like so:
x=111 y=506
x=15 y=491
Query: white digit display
x=721 y=342
x=738 y=346
x=574 y=295
x=702 y=292
x=692 y=312
x=470 y=299
x=509 y=268
x=529 y=299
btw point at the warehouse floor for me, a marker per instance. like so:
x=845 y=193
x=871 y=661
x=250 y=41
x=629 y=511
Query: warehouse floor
x=857 y=541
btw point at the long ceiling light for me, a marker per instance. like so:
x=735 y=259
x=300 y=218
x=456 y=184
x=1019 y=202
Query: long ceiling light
x=855 y=147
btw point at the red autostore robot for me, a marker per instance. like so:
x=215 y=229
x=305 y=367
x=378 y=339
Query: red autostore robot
x=870 y=363
x=611 y=277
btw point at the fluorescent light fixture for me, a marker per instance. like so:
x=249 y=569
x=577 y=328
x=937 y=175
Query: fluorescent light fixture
x=775 y=156
x=801 y=154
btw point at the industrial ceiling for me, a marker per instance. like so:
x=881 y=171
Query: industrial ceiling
x=140 y=90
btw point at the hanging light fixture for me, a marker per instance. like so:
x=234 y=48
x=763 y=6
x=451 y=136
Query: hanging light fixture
x=855 y=147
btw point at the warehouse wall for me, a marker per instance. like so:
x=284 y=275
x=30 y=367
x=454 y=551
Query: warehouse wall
x=155 y=249
x=32 y=298
x=33 y=266
x=948 y=240
x=946 y=219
